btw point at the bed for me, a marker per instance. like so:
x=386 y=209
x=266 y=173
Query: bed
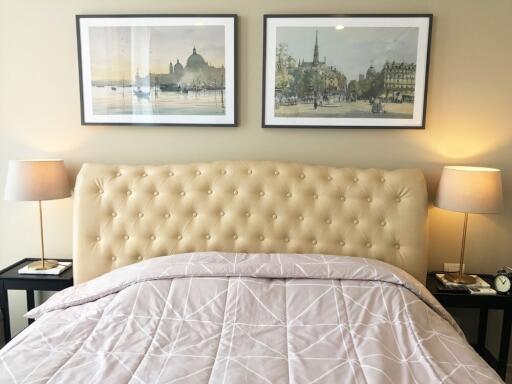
x=245 y=272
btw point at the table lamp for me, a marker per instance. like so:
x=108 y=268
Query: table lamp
x=37 y=180
x=469 y=190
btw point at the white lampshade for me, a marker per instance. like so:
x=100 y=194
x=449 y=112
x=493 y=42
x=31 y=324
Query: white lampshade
x=36 y=180
x=470 y=190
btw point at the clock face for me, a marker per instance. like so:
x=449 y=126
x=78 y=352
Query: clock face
x=502 y=283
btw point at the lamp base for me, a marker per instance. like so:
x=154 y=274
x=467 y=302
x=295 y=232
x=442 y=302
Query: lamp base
x=41 y=266
x=462 y=278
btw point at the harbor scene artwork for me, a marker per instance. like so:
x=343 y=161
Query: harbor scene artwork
x=160 y=73
x=345 y=74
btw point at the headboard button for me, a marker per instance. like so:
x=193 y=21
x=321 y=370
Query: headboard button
x=329 y=178
x=98 y=238
x=302 y=176
x=274 y=216
x=276 y=173
x=261 y=237
x=126 y=237
x=369 y=199
x=286 y=239
x=398 y=199
x=198 y=173
x=179 y=237
x=100 y=191
x=222 y=213
x=355 y=179
x=141 y=215
x=262 y=193
x=152 y=237
x=383 y=223
x=118 y=174
x=156 y=193
x=397 y=246
x=210 y=191
x=194 y=214
x=235 y=237
x=314 y=242
x=249 y=172
x=315 y=196
x=207 y=237
x=114 y=258
x=356 y=221
x=342 y=198
x=288 y=195
x=368 y=245
x=114 y=214
x=144 y=175
x=342 y=243
x=128 y=193
x=235 y=192
x=139 y=258
x=301 y=218
x=247 y=214
x=328 y=221
x=167 y=215
x=182 y=193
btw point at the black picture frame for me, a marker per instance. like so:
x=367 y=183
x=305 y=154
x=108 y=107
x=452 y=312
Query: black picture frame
x=265 y=77
x=234 y=87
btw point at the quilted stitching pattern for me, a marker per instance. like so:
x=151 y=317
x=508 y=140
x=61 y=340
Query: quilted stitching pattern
x=322 y=319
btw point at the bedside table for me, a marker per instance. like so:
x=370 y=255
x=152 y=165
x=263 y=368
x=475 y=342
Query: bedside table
x=483 y=303
x=11 y=279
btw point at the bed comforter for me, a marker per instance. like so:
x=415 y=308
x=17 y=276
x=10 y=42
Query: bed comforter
x=244 y=318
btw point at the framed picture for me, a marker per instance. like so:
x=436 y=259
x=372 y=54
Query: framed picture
x=345 y=71
x=158 y=69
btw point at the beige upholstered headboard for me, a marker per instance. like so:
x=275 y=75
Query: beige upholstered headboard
x=124 y=214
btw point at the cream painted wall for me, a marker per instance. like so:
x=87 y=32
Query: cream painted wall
x=468 y=116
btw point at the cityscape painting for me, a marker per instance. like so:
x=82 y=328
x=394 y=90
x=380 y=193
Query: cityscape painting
x=157 y=69
x=356 y=71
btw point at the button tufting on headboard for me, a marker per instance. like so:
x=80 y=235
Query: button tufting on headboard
x=139 y=212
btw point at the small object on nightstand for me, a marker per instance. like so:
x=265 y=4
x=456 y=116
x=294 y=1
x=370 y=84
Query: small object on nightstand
x=469 y=190
x=481 y=291
x=502 y=281
x=479 y=282
x=60 y=268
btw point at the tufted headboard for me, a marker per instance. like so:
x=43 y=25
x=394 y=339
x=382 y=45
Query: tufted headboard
x=124 y=214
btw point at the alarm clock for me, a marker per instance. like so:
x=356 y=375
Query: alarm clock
x=502 y=282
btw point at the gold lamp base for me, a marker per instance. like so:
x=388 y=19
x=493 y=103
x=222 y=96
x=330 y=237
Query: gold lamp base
x=43 y=265
x=461 y=278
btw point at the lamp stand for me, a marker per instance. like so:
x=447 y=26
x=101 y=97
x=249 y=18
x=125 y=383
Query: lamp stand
x=43 y=264
x=460 y=277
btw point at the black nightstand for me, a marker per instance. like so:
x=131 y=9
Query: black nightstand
x=483 y=303
x=11 y=279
